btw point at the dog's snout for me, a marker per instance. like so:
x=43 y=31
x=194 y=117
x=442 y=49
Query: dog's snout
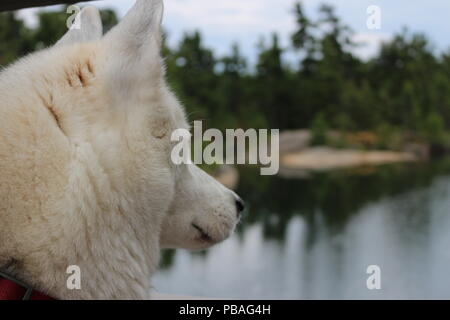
x=240 y=205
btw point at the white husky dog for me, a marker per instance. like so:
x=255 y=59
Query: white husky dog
x=86 y=175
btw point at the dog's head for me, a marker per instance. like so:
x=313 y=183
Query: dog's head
x=119 y=101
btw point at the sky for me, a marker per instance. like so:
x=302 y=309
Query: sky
x=223 y=22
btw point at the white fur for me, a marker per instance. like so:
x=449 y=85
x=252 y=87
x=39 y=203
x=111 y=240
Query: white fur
x=86 y=176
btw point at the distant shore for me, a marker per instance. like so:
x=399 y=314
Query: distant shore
x=299 y=157
x=297 y=152
x=325 y=158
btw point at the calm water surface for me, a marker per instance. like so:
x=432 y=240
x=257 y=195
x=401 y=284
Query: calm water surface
x=313 y=238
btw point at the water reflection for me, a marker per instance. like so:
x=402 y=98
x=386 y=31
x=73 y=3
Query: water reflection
x=314 y=238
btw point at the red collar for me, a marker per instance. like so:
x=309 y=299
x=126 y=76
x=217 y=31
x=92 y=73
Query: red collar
x=13 y=289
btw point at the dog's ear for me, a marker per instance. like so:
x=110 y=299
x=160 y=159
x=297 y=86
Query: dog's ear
x=140 y=28
x=134 y=45
x=86 y=27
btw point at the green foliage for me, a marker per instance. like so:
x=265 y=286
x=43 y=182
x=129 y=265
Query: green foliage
x=405 y=88
x=389 y=137
x=319 y=130
x=15 y=38
x=434 y=128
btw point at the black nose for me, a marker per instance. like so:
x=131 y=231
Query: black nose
x=240 y=206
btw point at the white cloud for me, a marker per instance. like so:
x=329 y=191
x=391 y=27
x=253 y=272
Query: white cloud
x=223 y=22
x=29 y=16
x=370 y=43
x=248 y=15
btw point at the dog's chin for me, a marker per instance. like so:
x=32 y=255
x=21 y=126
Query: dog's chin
x=205 y=238
x=197 y=243
x=197 y=234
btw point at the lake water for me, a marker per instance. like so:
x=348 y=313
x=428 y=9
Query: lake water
x=313 y=238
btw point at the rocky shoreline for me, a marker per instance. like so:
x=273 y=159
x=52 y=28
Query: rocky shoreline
x=299 y=159
x=298 y=153
x=325 y=158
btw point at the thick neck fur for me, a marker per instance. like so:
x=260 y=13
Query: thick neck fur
x=96 y=228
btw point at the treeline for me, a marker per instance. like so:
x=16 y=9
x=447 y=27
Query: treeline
x=405 y=87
